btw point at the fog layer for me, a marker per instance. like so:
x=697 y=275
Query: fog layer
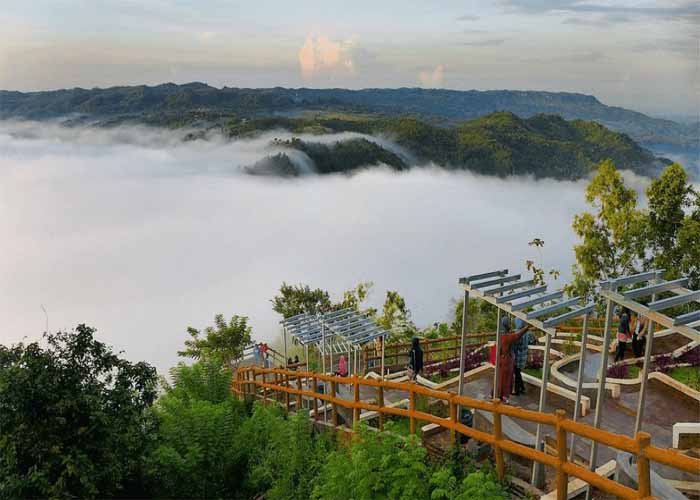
x=140 y=235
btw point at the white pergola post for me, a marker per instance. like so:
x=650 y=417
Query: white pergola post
x=537 y=478
x=284 y=335
x=645 y=376
x=383 y=342
x=579 y=380
x=462 y=347
x=600 y=396
x=496 y=377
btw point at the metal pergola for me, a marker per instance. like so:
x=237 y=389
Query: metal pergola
x=336 y=332
x=652 y=285
x=531 y=303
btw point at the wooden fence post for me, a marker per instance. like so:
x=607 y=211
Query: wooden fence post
x=356 y=397
x=315 y=389
x=643 y=472
x=299 y=388
x=412 y=409
x=562 y=477
x=380 y=401
x=453 y=419
x=264 y=394
x=335 y=406
x=498 y=435
x=286 y=394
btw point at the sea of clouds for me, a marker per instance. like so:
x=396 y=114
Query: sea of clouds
x=139 y=234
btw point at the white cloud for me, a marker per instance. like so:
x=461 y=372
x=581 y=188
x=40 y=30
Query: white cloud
x=432 y=79
x=320 y=55
x=140 y=235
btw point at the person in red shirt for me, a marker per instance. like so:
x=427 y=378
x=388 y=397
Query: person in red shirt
x=506 y=363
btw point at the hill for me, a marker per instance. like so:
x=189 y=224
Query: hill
x=500 y=144
x=445 y=107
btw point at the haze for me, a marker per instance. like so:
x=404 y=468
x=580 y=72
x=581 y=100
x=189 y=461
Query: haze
x=637 y=54
x=138 y=234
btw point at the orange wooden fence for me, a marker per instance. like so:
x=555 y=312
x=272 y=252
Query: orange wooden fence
x=302 y=384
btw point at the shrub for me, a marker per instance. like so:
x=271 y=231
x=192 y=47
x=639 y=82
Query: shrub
x=618 y=371
x=692 y=357
x=663 y=363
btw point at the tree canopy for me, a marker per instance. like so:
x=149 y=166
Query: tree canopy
x=223 y=342
x=74 y=418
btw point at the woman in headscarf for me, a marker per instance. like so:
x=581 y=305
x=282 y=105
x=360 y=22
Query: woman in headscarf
x=505 y=358
x=623 y=334
x=415 y=359
x=342 y=367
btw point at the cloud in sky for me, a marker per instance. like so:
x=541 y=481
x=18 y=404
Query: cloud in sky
x=683 y=10
x=432 y=79
x=140 y=235
x=321 y=55
x=489 y=42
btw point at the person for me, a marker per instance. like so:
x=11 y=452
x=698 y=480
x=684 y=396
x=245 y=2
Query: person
x=296 y=359
x=264 y=354
x=623 y=334
x=639 y=336
x=256 y=353
x=415 y=359
x=505 y=358
x=290 y=361
x=342 y=367
x=520 y=348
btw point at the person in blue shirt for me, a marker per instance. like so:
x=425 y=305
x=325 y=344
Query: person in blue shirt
x=519 y=350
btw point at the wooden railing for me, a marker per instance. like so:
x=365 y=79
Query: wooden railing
x=434 y=350
x=249 y=380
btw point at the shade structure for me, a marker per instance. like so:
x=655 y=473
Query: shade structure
x=530 y=302
x=336 y=332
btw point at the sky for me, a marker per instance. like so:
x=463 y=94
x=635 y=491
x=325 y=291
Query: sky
x=643 y=55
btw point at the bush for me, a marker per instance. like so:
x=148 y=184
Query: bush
x=198 y=452
x=618 y=371
x=692 y=357
x=74 y=419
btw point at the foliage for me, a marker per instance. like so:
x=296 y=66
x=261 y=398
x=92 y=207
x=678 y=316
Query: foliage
x=300 y=299
x=687 y=375
x=618 y=370
x=375 y=466
x=481 y=316
x=663 y=363
x=672 y=234
x=284 y=455
x=199 y=453
x=612 y=237
x=355 y=297
x=692 y=356
x=223 y=342
x=396 y=317
x=538 y=272
x=74 y=418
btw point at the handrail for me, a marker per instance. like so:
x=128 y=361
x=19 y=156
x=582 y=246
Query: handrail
x=246 y=383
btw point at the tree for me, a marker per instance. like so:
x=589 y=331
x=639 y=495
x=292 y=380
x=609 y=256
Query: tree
x=224 y=342
x=481 y=316
x=671 y=233
x=354 y=298
x=396 y=317
x=612 y=237
x=198 y=453
x=300 y=299
x=74 y=419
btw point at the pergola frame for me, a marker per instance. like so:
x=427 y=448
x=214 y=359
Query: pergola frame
x=685 y=324
x=339 y=332
x=492 y=291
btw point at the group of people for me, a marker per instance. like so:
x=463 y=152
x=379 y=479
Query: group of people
x=512 y=357
x=627 y=334
x=262 y=354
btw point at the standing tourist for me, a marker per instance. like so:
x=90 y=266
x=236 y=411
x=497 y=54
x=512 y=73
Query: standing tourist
x=623 y=334
x=415 y=359
x=505 y=360
x=639 y=335
x=520 y=348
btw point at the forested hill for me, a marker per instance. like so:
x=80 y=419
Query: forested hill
x=446 y=107
x=500 y=144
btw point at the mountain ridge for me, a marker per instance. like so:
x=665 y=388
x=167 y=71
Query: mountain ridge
x=441 y=106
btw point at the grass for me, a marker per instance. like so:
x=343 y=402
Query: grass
x=535 y=372
x=633 y=371
x=688 y=375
